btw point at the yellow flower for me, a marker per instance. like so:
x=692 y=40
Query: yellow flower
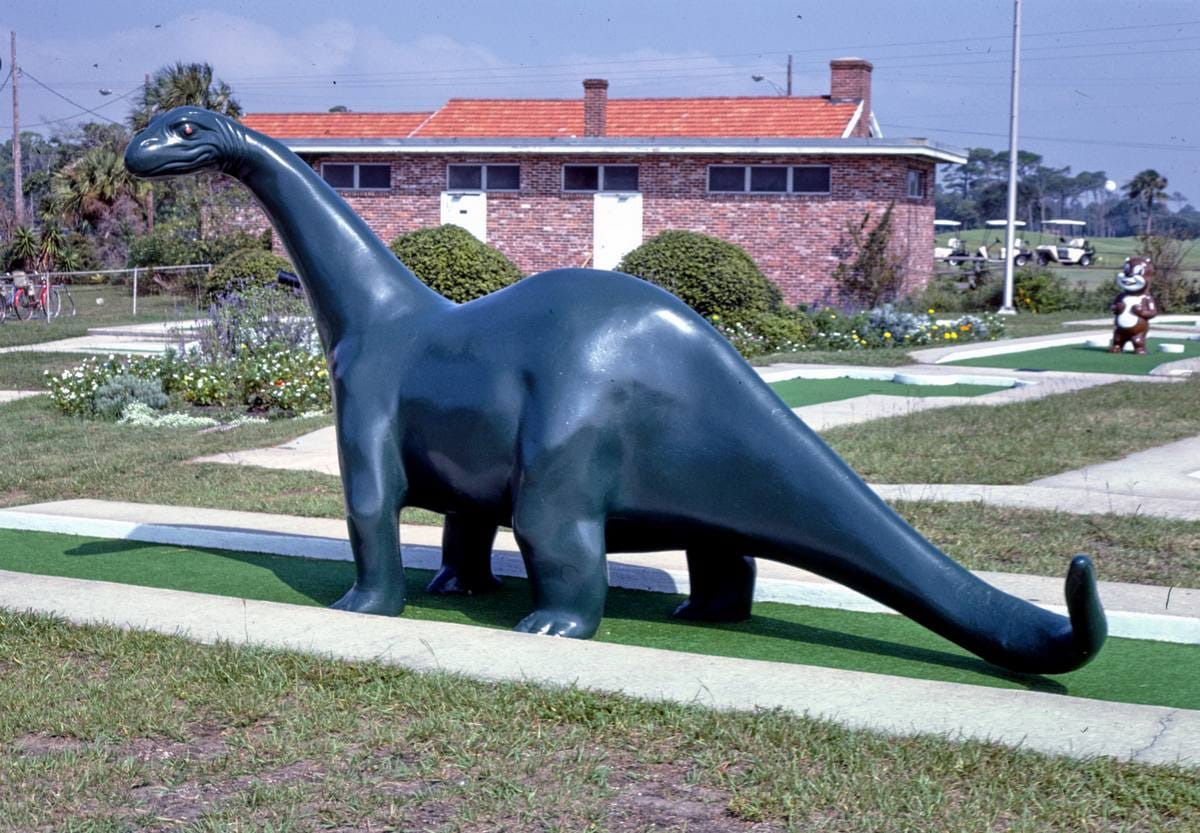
x=931 y=312
x=946 y=335
x=887 y=334
x=952 y=335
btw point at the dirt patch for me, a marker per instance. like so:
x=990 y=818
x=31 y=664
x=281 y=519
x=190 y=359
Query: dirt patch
x=203 y=744
x=14 y=497
x=660 y=798
x=39 y=744
x=190 y=800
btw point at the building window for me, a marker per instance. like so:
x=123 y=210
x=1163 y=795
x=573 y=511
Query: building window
x=600 y=177
x=769 y=179
x=483 y=177
x=347 y=177
x=916 y=184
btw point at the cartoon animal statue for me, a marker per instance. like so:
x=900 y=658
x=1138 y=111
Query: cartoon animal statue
x=1134 y=307
x=593 y=412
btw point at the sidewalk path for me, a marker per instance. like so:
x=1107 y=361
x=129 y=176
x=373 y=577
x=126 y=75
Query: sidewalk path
x=1032 y=720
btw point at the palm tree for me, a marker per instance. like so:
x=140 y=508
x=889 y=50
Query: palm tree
x=89 y=187
x=23 y=249
x=1144 y=189
x=184 y=84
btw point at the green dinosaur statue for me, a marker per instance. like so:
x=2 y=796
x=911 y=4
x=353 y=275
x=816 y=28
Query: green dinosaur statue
x=593 y=412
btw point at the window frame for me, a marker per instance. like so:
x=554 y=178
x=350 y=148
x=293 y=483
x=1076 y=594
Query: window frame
x=600 y=178
x=483 y=177
x=356 y=166
x=922 y=179
x=746 y=180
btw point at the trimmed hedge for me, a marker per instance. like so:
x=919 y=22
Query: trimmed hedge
x=243 y=268
x=451 y=261
x=711 y=276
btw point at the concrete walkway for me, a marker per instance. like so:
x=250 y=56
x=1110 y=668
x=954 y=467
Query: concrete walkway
x=1031 y=720
x=138 y=339
x=1136 y=611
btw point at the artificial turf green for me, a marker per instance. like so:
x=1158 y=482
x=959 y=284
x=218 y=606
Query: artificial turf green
x=799 y=392
x=1127 y=670
x=1080 y=358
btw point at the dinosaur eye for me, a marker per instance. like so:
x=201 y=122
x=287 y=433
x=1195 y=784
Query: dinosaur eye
x=188 y=130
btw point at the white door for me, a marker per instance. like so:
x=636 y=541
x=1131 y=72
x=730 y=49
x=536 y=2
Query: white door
x=616 y=228
x=466 y=210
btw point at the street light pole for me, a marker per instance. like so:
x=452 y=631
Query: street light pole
x=1007 y=307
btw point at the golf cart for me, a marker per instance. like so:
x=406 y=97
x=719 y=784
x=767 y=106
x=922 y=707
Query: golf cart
x=1021 y=254
x=1077 y=251
x=954 y=249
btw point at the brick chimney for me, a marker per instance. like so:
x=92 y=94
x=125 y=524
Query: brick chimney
x=595 y=106
x=850 y=80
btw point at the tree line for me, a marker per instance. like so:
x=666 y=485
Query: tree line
x=86 y=208
x=977 y=191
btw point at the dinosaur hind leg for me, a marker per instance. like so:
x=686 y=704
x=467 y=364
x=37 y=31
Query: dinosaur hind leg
x=722 y=586
x=466 y=557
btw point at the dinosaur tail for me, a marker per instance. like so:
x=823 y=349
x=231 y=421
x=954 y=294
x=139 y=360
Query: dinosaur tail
x=880 y=555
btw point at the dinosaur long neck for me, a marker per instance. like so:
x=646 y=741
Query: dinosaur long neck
x=349 y=276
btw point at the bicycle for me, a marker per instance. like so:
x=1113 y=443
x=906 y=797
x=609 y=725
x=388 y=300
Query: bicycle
x=48 y=300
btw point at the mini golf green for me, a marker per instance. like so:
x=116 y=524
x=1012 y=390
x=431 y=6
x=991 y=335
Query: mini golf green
x=1080 y=358
x=1131 y=671
x=797 y=393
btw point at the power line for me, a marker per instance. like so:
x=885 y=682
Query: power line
x=53 y=91
x=1102 y=143
x=51 y=122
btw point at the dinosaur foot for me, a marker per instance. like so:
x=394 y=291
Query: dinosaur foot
x=450 y=581
x=558 y=623
x=377 y=601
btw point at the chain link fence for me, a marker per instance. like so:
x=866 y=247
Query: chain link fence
x=147 y=293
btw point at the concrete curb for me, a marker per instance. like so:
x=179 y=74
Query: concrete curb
x=1134 y=611
x=1047 y=723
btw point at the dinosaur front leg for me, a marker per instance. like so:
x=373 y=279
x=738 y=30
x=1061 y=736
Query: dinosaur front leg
x=722 y=586
x=375 y=488
x=563 y=549
x=466 y=556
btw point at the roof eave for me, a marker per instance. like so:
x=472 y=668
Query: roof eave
x=920 y=148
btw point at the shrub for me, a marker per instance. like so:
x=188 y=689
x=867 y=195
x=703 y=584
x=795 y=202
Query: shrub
x=74 y=390
x=873 y=273
x=1040 y=290
x=172 y=244
x=112 y=397
x=711 y=276
x=288 y=381
x=255 y=319
x=451 y=261
x=244 y=268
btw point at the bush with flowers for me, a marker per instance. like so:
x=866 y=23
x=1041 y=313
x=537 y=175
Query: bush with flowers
x=257 y=351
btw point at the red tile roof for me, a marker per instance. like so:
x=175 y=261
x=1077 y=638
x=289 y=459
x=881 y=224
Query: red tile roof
x=744 y=117
x=335 y=125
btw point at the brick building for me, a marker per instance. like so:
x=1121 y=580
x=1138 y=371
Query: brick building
x=575 y=182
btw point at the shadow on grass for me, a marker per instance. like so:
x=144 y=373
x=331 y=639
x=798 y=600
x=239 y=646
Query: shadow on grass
x=631 y=617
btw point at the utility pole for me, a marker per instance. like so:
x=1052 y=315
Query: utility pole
x=149 y=185
x=1007 y=307
x=789 y=83
x=18 y=196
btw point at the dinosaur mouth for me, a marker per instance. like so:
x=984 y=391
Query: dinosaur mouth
x=152 y=161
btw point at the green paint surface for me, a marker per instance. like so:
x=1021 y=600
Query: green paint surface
x=1127 y=670
x=799 y=392
x=1080 y=358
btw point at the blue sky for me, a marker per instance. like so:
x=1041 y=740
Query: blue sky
x=1107 y=84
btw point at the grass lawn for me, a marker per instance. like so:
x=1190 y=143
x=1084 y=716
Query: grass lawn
x=106 y=730
x=1127 y=670
x=116 y=308
x=27 y=370
x=1138 y=550
x=868 y=358
x=799 y=392
x=1080 y=358
x=1022 y=441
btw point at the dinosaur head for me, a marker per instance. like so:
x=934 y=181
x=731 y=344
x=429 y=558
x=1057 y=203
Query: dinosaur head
x=184 y=141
